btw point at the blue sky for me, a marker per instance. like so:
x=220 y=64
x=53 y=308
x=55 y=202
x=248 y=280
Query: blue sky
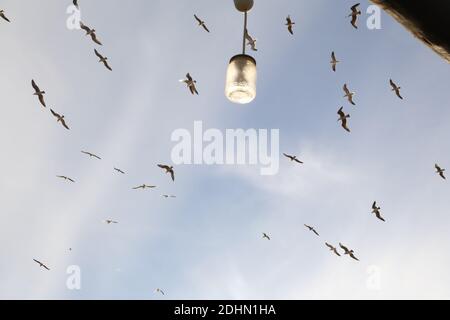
x=206 y=243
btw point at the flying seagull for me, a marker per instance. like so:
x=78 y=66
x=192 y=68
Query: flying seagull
x=41 y=264
x=349 y=95
x=396 y=89
x=90 y=32
x=355 y=13
x=110 y=222
x=440 y=171
x=334 y=61
x=290 y=24
x=265 y=236
x=313 y=230
x=332 y=249
x=38 y=92
x=2 y=14
x=143 y=187
x=103 y=59
x=250 y=41
x=190 y=83
x=292 y=158
x=158 y=290
x=343 y=118
x=66 y=178
x=91 y=155
x=347 y=251
x=376 y=211
x=119 y=171
x=201 y=23
x=60 y=119
x=169 y=169
x=168 y=196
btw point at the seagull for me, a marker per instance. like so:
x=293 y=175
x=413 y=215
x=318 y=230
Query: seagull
x=60 y=119
x=103 y=59
x=110 y=222
x=143 y=187
x=90 y=32
x=332 y=249
x=251 y=42
x=91 y=155
x=343 y=118
x=265 y=236
x=292 y=158
x=312 y=229
x=190 y=83
x=355 y=13
x=349 y=95
x=347 y=251
x=119 y=171
x=158 y=290
x=396 y=89
x=201 y=23
x=168 y=196
x=38 y=92
x=334 y=61
x=66 y=178
x=376 y=211
x=290 y=24
x=2 y=14
x=169 y=169
x=41 y=264
x=75 y=3
x=440 y=171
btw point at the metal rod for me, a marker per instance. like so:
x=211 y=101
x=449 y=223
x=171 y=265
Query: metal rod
x=245 y=32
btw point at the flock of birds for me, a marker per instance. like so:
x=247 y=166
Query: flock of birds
x=191 y=85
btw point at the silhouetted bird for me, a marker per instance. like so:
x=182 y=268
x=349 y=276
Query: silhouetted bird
x=201 y=23
x=265 y=236
x=60 y=118
x=2 y=15
x=119 y=171
x=190 y=84
x=312 y=229
x=41 y=264
x=332 y=249
x=66 y=178
x=376 y=211
x=334 y=61
x=158 y=290
x=440 y=171
x=169 y=169
x=38 y=92
x=143 y=187
x=91 y=155
x=396 y=89
x=250 y=41
x=90 y=32
x=292 y=158
x=110 y=222
x=349 y=95
x=343 y=118
x=347 y=251
x=290 y=24
x=355 y=13
x=103 y=60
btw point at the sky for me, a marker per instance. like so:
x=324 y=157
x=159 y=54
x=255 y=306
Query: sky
x=207 y=243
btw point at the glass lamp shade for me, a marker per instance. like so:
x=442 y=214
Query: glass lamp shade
x=241 y=79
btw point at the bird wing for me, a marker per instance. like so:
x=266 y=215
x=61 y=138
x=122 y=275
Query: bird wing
x=378 y=214
x=94 y=38
x=205 y=27
x=4 y=17
x=344 y=247
x=374 y=205
x=333 y=66
x=393 y=85
x=107 y=65
x=55 y=114
x=35 y=87
x=291 y=31
x=344 y=124
x=287 y=156
x=329 y=245
x=313 y=230
x=347 y=92
x=63 y=122
x=354 y=19
x=84 y=27
x=98 y=54
x=162 y=166
x=41 y=100
x=172 y=174
x=333 y=57
x=198 y=19
x=353 y=256
x=354 y=8
x=341 y=113
x=70 y=180
x=298 y=161
x=442 y=175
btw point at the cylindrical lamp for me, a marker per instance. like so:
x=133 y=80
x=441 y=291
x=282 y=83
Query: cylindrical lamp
x=241 y=79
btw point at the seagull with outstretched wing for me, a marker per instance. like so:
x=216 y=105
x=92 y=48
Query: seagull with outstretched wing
x=312 y=229
x=201 y=23
x=250 y=41
x=292 y=158
x=343 y=119
x=38 y=92
x=396 y=89
x=110 y=222
x=119 y=170
x=169 y=169
x=349 y=95
x=66 y=178
x=355 y=13
x=376 y=211
x=190 y=83
x=103 y=60
x=90 y=32
x=91 y=155
x=334 y=61
x=143 y=187
x=440 y=171
x=349 y=252
x=265 y=236
x=60 y=118
x=41 y=264
x=290 y=24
